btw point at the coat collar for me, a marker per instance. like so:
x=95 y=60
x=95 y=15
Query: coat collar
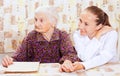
x=55 y=36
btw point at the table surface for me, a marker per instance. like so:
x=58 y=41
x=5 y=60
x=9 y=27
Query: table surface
x=52 y=69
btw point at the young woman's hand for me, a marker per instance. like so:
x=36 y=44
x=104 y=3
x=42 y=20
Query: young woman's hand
x=6 y=61
x=102 y=31
x=78 y=66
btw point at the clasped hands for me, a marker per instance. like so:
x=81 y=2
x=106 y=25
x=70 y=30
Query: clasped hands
x=68 y=66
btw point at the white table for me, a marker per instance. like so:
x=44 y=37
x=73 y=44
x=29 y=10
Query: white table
x=52 y=69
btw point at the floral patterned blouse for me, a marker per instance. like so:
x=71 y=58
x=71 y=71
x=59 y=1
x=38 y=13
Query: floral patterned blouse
x=36 y=48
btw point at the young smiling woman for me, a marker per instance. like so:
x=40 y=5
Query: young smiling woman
x=95 y=41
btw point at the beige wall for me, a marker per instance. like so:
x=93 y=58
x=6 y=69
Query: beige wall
x=16 y=17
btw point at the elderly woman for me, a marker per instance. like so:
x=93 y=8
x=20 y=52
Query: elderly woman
x=95 y=41
x=45 y=43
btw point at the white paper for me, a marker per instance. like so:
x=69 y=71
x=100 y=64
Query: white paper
x=23 y=67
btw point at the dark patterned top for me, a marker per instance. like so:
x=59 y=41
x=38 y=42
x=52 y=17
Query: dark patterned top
x=36 y=48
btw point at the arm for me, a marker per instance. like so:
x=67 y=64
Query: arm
x=106 y=54
x=78 y=43
x=66 y=48
x=68 y=53
x=21 y=52
x=20 y=55
x=24 y=49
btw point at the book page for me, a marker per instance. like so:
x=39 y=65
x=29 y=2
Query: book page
x=23 y=67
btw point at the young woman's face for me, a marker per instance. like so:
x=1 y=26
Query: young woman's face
x=87 y=23
x=42 y=23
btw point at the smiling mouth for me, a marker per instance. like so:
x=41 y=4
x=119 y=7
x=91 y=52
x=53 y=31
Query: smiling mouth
x=82 y=32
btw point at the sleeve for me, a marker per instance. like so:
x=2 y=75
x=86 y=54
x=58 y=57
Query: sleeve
x=66 y=49
x=78 y=42
x=22 y=53
x=106 y=54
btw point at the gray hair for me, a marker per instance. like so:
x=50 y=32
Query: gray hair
x=50 y=12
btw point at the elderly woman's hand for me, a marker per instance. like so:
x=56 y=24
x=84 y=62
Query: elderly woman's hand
x=102 y=31
x=6 y=61
x=67 y=66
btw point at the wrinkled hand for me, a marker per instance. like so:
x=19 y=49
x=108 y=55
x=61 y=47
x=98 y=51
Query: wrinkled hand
x=102 y=31
x=67 y=66
x=6 y=61
x=78 y=66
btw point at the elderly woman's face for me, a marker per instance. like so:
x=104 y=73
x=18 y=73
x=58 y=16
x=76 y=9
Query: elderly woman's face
x=42 y=23
x=87 y=23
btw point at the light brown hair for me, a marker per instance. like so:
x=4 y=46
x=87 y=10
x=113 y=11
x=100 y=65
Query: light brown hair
x=102 y=17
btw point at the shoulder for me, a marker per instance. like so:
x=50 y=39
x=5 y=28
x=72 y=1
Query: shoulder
x=63 y=33
x=112 y=33
x=31 y=35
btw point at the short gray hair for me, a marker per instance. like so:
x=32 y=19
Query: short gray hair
x=50 y=12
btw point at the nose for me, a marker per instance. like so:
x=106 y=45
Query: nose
x=81 y=26
x=37 y=23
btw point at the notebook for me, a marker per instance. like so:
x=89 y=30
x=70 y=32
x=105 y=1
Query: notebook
x=23 y=67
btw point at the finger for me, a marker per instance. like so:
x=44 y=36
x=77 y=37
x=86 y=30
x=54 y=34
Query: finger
x=11 y=60
x=65 y=69
x=75 y=67
x=60 y=69
x=8 y=60
x=4 y=62
x=70 y=66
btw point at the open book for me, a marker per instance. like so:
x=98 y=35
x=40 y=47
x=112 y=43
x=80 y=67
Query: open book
x=23 y=67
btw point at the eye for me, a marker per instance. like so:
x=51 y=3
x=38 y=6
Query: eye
x=41 y=20
x=80 y=20
x=86 y=24
x=35 y=19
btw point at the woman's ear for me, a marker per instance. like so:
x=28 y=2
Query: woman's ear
x=99 y=27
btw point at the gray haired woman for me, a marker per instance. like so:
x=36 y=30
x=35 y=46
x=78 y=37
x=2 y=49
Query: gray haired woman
x=45 y=43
